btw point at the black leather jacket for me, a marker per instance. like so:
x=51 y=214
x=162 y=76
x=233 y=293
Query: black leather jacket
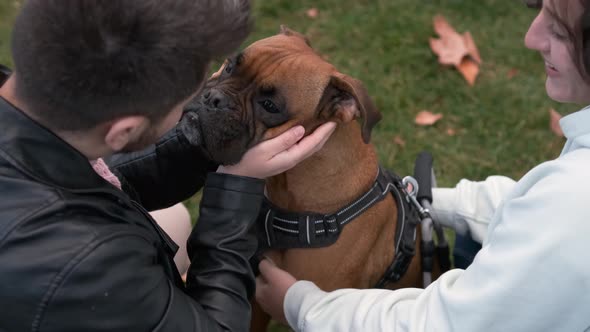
x=77 y=254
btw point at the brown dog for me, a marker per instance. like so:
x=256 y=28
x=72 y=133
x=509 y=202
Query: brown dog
x=275 y=84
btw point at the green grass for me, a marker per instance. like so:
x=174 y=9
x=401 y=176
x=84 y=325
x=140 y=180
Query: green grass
x=7 y=13
x=501 y=124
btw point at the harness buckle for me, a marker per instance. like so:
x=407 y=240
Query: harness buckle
x=331 y=224
x=411 y=195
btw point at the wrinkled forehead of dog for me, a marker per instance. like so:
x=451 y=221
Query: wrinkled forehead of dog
x=286 y=60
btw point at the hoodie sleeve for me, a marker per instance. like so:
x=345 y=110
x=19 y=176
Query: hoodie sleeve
x=468 y=208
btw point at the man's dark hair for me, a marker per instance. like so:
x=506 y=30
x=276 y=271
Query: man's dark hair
x=79 y=63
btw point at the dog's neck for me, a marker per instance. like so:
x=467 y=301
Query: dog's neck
x=332 y=178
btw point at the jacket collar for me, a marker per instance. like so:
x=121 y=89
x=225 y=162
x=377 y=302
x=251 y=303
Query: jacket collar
x=576 y=127
x=576 y=124
x=42 y=155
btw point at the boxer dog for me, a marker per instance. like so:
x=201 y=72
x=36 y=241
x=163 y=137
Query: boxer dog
x=275 y=84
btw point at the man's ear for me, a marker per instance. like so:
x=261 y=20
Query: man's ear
x=346 y=99
x=124 y=130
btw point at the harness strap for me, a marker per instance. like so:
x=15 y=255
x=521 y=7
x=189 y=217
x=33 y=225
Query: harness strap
x=283 y=229
x=405 y=238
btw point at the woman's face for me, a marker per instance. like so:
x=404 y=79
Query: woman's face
x=546 y=35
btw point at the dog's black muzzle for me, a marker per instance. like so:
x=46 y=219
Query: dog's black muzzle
x=213 y=122
x=215 y=99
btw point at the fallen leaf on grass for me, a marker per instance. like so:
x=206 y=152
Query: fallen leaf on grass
x=312 y=12
x=454 y=49
x=511 y=73
x=451 y=132
x=399 y=141
x=469 y=69
x=219 y=71
x=472 y=50
x=554 y=118
x=427 y=118
x=450 y=48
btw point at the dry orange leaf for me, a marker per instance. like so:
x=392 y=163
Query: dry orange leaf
x=399 y=141
x=454 y=49
x=469 y=69
x=511 y=73
x=450 y=48
x=312 y=12
x=427 y=118
x=554 y=118
x=218 y=72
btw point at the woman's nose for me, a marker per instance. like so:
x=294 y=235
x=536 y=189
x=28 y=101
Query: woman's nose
x=537 y=37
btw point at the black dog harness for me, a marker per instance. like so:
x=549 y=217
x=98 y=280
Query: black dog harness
x=282 y=229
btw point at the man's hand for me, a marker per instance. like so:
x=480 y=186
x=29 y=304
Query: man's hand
x=281 y=153
x=271 y=288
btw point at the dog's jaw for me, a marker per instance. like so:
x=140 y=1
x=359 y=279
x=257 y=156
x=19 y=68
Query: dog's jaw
x=190 y=126
x=220 y=133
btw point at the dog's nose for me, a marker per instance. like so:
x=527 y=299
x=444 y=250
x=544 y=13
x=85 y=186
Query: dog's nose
x=215 y=98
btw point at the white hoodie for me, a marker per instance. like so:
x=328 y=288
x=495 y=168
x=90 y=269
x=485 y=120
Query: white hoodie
x=532 y=273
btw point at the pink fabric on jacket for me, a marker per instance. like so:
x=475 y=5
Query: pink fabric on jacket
x=103 y=170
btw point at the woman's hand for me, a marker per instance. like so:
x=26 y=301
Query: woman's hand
x=271 y=289
x=281 y=153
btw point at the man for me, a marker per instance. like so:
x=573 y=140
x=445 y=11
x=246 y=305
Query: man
x=78 y=251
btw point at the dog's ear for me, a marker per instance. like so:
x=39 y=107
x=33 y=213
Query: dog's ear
x=288 y=32
x=346 y=99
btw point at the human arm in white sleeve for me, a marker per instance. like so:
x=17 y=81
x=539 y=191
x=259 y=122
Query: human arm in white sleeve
x=529 y=275
x=468 y=208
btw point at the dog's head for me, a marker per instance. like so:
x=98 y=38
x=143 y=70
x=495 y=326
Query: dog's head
x=273 y=85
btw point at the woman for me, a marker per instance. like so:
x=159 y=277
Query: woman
x=529 y=274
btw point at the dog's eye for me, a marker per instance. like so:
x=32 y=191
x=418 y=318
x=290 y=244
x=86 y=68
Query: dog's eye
x=269 y=106
x=229 y=67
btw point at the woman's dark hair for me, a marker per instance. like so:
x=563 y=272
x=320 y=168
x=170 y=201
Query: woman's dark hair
x=578 y=32
x=79 y=63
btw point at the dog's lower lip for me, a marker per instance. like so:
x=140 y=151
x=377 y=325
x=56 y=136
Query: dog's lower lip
x=193 y=119
x=193 y=116
x=192 y=128
x=200 y=140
